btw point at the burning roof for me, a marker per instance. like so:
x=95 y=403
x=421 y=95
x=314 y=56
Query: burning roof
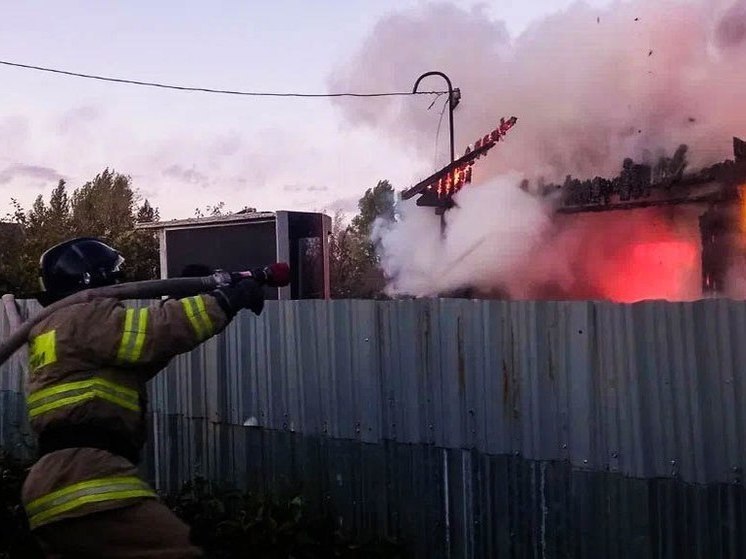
x=438 y=189
x=664 y=183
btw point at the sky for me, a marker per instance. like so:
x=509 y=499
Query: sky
x=188 y=150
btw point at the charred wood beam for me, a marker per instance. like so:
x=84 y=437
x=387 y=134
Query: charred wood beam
x=707 y=199
x=421 y=186
x=640 y=181
x=739 y=150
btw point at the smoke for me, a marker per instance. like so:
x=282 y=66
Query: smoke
x=589 y=87
x=731 y=30
x=478 y=249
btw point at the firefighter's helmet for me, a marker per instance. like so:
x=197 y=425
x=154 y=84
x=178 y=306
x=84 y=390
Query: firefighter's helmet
x=78 y=264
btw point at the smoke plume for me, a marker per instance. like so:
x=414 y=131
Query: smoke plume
x=589 y=87
x=475 y=251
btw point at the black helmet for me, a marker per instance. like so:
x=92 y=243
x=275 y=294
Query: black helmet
x=78 y=264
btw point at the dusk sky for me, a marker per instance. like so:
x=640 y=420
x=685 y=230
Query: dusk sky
x=187 y=150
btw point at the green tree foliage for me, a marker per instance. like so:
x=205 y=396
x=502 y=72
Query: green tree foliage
x=106 y=207
x=343 y=265
x=11 y=247
x=355 y=268
x=376 y=202
x=141 y=248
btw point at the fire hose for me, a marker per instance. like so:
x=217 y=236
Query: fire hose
x=275 y=275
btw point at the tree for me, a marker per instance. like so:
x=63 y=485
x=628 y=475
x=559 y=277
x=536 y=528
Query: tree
x=11 y=247
x=377 y=202
x=342 y=267
x=43 y=226
x=354 y=264
x=142 y=248
x=106 y=207
x=147 y=213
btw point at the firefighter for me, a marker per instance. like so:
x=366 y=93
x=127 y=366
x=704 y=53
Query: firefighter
x=88 y=368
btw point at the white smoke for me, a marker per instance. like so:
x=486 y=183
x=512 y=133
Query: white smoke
x=589 y=87
x=489 y=233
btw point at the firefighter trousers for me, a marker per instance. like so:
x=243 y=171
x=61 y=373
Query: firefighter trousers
x=148 y=529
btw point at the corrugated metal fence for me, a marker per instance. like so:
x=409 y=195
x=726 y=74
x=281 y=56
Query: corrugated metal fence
x=475 y=429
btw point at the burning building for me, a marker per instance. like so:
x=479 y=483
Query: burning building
x=686 y=228
x=655 y=231
x=590 y=86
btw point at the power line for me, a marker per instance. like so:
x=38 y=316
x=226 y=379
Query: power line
x=209 y=90
x=437 y=134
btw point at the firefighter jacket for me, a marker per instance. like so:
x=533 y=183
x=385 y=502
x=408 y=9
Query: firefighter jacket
x=88 y=366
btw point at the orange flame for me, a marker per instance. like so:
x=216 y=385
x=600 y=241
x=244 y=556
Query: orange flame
x=651 y=270
x=454 y=181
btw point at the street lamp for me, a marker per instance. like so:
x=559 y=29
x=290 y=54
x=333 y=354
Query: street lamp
x=454 y=96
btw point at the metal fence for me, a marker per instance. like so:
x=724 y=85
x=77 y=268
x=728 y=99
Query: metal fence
x=475 y=429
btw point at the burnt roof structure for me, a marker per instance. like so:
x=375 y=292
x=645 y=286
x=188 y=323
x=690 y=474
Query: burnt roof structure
x=663 y=184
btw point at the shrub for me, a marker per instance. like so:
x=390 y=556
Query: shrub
x=225 y=523
x=235 y=524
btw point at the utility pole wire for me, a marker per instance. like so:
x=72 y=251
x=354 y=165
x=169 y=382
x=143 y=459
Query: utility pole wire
x=437 y=134
x=209 y=90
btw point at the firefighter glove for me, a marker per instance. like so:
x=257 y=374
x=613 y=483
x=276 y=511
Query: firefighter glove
x=247 y=294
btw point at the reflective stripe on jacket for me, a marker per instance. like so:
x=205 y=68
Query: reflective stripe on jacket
x=54 y=505
x=88 y=366
x=70 y=394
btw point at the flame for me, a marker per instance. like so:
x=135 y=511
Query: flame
x=623 y=257
x=455 y=180
x=651 y=270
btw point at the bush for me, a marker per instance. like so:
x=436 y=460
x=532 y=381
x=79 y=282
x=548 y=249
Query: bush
x=225 y=523
x=235 y=524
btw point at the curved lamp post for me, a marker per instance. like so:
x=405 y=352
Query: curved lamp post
x=454 y=96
